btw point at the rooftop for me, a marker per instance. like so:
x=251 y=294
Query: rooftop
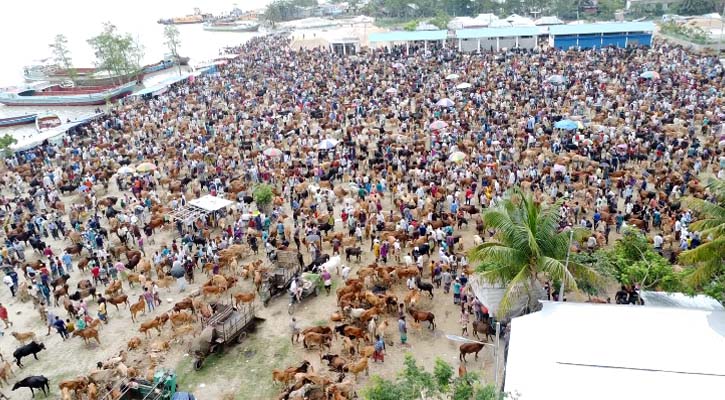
x=407 y=36
x=499 y=32
x=609 y=27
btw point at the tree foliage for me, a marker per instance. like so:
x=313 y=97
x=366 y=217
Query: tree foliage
x=414 y=381
x=117 y=53
x=62 y=55
x=528 y=245
x=708 y=259
x=696 y=7
x=5 y=142
x=173 y=42
x=632 y=260
x=262 y=195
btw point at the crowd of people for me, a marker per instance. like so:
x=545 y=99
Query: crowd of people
x=381 y=145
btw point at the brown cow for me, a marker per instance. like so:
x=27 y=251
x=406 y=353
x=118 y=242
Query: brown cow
x=320 y=339
x=87 y=334
x=121 y=299
x=137 y=307
x=467 y=348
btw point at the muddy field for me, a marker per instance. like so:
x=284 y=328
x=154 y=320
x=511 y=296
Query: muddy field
x=245 y=370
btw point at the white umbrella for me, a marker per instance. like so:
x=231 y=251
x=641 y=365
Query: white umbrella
x=438 y=125
x=445 y=102
x=398 y=65
x=272 y=152
x=464 y=85
x=125 y=170
x=457 y=156
x=452 y=77
x=327 y=144
x=391 y=91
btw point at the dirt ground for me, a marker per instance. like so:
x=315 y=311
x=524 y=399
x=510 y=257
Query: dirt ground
x=244 y=371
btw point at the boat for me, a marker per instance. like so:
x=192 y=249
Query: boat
x=18 y=120
x=159 y=66
x=47 y=121
x=195 y=18
x=231 y=26
x=79 y=77
x=58 y=95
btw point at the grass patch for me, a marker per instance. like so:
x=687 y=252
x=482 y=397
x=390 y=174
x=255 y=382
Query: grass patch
x=245 y=369
x=320 y=322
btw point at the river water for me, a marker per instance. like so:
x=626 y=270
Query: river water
x=29 y=26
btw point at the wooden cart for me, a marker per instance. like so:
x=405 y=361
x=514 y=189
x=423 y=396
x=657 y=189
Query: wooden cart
x=278 y=281
x=225 y=327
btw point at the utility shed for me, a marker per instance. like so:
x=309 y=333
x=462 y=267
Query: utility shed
x=588 y=36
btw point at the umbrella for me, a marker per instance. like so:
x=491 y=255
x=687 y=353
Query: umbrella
x=177 y=272
x=457 y=156
x=125 y=170
x=272 y=152
x=145 y=167
x=464 y=85
x=398 y=65
x=649 y=75
x=556 y=79
x=392 y=91
x=566 y=124
x=438 y=125
x=445 y=102
x=327 y=144
x=452 y=77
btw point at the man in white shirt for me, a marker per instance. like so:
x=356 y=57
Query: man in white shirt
x=658 y=241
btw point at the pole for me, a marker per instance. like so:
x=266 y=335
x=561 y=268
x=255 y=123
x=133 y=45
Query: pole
x=722 y=26
x=497 y=353
x=566 y=265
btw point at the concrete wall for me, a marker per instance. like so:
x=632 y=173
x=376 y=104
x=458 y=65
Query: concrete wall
x=489 y=44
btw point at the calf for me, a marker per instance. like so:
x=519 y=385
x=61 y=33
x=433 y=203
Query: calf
x=353 y=251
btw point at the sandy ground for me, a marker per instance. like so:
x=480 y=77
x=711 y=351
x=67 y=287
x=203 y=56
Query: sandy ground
x=243 y=370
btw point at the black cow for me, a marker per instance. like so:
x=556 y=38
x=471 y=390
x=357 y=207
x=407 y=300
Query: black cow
x=326 y=227
x=21 y=237
x=37 y=244
x=424 y=286
x=353 y=251
x=68 y=188
x=31 y=348
x=33 y=382
x=317 y=262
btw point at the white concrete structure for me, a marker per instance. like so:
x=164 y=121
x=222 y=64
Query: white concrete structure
x=574 y=351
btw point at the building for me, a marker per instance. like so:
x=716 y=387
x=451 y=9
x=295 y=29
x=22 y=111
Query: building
x=495 y=39
x=575 y=351
x=587 y=36
x=423 y=38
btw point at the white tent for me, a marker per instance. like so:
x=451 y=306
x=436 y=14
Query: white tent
x=210 y=203
x=604 y=351
x=681 y=300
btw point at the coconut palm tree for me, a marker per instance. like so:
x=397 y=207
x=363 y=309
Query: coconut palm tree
x=528 y=246
x=709 y=257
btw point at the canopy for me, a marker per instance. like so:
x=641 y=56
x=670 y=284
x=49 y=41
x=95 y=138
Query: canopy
x=464 y=85
x=566 y=124
x=577 y=350
x=650 y=75
x=438 y=125
x=211 y=203
x=327 y=144
x=445 y=102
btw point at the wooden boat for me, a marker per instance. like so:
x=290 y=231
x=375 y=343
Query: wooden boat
x=195 y=18
x=18 y=120
x=56 y=95
x=231 y=26
x=47 y=121
x=82 y=76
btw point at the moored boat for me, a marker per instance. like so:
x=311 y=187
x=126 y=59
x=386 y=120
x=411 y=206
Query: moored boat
x=195 y=18
x=231 y=26
x=56 y=95
x=18 y=120
x=79 y=77
x=47 y=121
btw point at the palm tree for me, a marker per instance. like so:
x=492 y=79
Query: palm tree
x=709 y=257
x=528 y=246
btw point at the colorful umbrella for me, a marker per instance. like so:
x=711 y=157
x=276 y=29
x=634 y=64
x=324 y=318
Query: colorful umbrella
x=566 y=124
x=649 y=75
x=438 y=125
x=457 y=156
x=272 y=152
x=445 y=102
x=464 y=85
x=146 y=167
x=327 y=144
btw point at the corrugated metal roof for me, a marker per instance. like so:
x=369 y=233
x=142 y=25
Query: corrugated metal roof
x=616 y=27
x=406 y=36
x=499 y=32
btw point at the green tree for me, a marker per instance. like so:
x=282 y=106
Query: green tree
x=173 y=42
x=696 y=7
x=116 y=53
x=528 y=246
x=5 y=143
x=263 y=196
x=632 y=260
x=708 y=258
x=441 y=20
x=414 y=383
x=62 y=56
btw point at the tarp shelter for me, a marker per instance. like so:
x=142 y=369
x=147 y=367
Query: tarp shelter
x=199 y=208
x=681 y=300
x=605 y=351
x=51 y=135
x=162 y=86
x=211 y=203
